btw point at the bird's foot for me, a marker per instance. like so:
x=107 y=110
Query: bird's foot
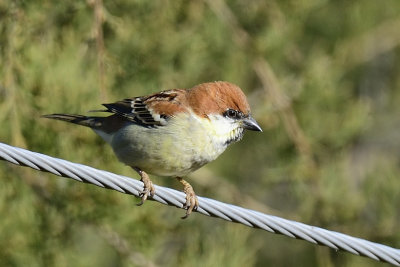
x=192 y=203
x=148 y=188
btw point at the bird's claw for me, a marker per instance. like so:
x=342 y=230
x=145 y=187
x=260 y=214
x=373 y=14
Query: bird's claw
x=148 y=188
x=192 y=203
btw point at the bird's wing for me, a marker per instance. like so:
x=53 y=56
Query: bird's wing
x=153 y=110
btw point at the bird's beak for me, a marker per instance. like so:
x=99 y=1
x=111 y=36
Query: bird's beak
x=250 y=124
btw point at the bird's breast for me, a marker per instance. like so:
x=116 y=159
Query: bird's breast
x=182 y=146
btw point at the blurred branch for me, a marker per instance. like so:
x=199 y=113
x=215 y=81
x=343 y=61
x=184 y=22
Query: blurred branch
x=98 y=35
x=268 y=79
x=123 y=248
x=223 y=12
x=284 y=107
x=11 y=101
x=367 y=46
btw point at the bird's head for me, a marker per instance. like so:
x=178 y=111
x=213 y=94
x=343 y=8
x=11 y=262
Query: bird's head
x=226 y=107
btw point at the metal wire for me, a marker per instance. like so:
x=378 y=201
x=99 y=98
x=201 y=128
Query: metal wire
x=210 y=207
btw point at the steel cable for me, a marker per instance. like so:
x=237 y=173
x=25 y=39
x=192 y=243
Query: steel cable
x=210 y=207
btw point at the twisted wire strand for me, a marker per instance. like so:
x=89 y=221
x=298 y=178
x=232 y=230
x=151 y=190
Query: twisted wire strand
x=210 y=207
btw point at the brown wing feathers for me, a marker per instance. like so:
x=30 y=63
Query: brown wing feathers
x=153 y=110
x=134 y=110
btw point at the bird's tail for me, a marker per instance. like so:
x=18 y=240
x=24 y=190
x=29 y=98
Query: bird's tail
x=91 y=122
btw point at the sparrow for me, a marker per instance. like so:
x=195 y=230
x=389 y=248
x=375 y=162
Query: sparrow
x=173 y=132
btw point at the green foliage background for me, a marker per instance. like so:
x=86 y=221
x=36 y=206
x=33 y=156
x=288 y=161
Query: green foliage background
x=323 y=80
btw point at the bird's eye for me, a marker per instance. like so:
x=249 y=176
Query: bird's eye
x=233 y=114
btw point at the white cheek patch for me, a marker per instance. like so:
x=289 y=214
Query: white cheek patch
x=221 y=125
x=226 y=130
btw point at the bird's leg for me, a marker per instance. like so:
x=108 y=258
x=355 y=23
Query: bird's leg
x=148 y=188
x=191 y=199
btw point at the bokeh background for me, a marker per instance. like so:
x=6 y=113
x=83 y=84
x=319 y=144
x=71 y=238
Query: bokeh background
x=323 y=81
